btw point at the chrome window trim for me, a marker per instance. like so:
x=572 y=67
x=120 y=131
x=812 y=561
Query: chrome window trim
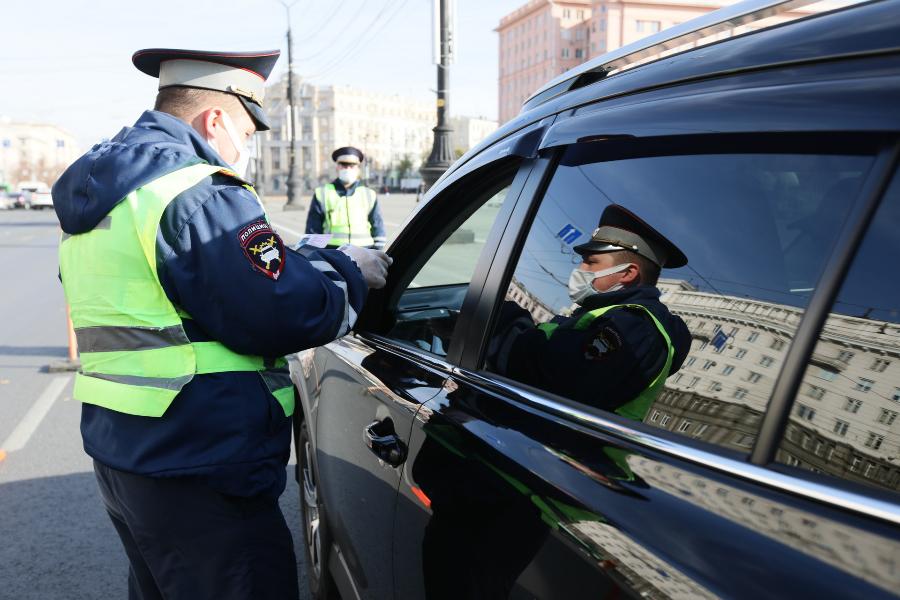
x=431 y=361
x=885 y=511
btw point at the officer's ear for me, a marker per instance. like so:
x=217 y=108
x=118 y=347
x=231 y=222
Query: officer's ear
x=208 y=122
x=631 y=275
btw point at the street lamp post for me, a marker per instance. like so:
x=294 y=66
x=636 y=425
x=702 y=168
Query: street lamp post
x=293 y=181
x=441 y=156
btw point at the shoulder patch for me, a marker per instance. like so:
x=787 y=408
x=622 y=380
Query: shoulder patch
x=263 y=248
x=602 y=343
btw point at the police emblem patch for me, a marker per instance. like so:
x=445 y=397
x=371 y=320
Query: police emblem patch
x=602 y=343
x=263 y=248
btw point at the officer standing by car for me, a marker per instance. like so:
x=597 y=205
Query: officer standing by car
x=345 y=208
x=185 y=301
x=618 y=347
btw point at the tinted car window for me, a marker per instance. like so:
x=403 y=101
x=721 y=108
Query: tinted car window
x=755 y=227
x=426 y=313
x=846 y=418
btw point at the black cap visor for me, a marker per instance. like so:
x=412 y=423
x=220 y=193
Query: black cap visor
x=256 y=113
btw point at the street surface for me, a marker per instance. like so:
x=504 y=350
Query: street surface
x=56 y=540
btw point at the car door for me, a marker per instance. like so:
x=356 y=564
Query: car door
x=513 y=490
x=374 y=380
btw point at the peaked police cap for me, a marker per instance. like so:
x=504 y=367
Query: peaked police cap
x=621 y=229
x=242 y=74
x=347 y=151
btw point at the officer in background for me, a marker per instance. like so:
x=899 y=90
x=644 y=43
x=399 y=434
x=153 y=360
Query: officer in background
x=345 y=208
x=185 y=302
x=621 y=343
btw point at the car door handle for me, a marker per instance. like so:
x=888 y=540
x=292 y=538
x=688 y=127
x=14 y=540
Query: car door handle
x=381 y=439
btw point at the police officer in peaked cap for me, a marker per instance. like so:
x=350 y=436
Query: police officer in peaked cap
x=620 y=342
x=345 y=208
x=185 y=301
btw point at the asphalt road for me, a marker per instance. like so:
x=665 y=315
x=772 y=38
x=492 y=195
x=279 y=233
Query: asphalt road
x=55 y=538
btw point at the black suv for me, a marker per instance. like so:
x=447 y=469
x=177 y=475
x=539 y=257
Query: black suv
x=768 y=465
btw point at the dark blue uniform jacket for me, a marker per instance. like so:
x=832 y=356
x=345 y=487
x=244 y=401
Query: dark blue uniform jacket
x=606 y=365
x=226 y=427
x=315 y=219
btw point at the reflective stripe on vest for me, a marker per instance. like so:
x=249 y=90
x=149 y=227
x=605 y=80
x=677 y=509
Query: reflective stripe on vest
x=636 y=408
x=347 y=217
x=135 y=354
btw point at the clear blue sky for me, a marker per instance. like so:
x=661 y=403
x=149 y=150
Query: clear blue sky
x=68 y=62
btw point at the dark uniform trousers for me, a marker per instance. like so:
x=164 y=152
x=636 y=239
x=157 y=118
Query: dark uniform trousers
x=185 y=540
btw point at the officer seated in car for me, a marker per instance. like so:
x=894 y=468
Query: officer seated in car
x=619 y=345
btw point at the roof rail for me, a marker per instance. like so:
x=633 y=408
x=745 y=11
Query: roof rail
x=703 y=26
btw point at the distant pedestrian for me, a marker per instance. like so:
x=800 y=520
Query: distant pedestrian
x=345 y=208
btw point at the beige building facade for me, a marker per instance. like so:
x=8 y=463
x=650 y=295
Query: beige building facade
x=34 y=152
x=388 y=128
x=469 y=131
x=545 y=38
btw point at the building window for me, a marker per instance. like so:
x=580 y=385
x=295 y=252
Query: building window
x=896 y=396
x=739 y=393
x=826 y=374
x=852 y=405
x=701 y=429
x=844 y=356
x=677 y=378
x=579 y=53
x=708 y=364
x=766 y=361
x=754 y=377
x=840 y=427
x=565 y=53
x=744 y=440
x=816 y=392
x=777 y=344
x=647 y=26
x=685 y=425
x=728 y=370
x=694 y=381
x=741 y=353
x=690 y=361
x=854 y=465
x=715 y=386
x=567 y=14
x=580 y=15
x=703 y=345
x=665 y=420
x=887 y=416
x=654 y=417
x=864 y=385
x=754 y=335
x=874 y=441
x=805 y=412
x=880 y=365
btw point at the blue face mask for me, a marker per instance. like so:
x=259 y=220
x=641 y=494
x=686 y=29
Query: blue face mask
x=581 y=283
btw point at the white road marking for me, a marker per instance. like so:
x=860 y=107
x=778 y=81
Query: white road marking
x=27 y=426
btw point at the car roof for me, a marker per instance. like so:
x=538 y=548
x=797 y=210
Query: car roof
x=864 y=28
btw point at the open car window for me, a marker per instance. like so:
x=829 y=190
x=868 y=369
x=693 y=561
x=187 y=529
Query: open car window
x=425 y=314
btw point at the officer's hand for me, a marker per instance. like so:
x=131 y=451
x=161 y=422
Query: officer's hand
x=373 y=264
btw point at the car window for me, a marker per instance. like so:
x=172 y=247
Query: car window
x=845 y=420
x=755 y=227
x=425 y=315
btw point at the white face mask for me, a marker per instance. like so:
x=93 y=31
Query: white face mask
x=348 y=176
x=581 y=283
x=240 y=165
